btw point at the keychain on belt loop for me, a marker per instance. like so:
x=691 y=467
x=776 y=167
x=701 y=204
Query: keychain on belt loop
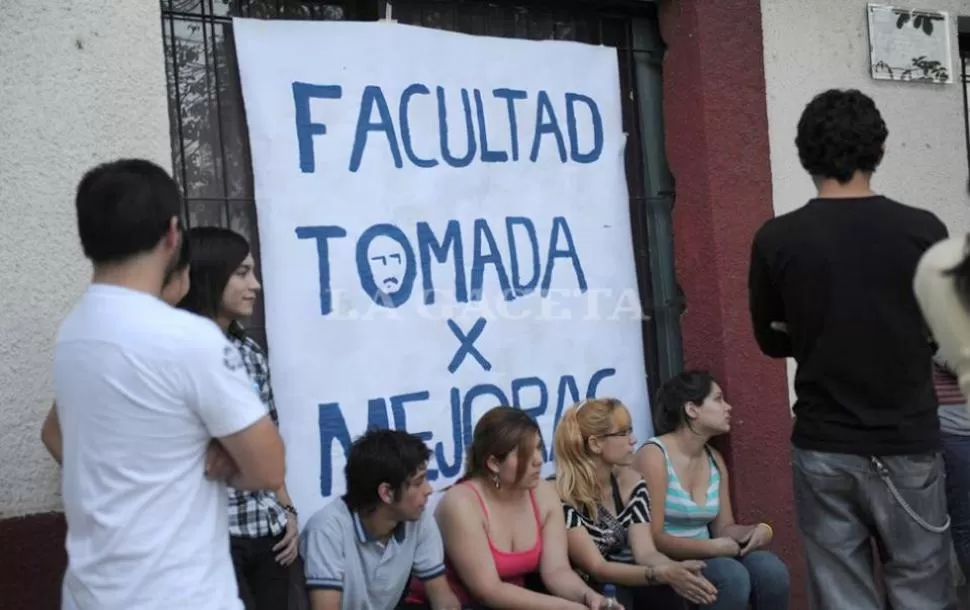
x=883 y=473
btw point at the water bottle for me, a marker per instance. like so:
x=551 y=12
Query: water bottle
x=610 y=603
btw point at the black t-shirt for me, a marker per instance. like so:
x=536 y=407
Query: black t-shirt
x=839 y=273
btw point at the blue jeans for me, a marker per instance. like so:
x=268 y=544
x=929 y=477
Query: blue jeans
x=758 y=580
x=956 y=460
x=655 y=597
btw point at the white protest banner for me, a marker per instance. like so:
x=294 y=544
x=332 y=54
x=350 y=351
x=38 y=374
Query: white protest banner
x=444 y=228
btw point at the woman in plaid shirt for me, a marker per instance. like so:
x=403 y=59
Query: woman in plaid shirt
x=262 y=524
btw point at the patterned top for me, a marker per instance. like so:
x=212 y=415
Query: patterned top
x=954 y=416
x=682 y=516
x=254 y=514
x=947 y=388
x=610 y=533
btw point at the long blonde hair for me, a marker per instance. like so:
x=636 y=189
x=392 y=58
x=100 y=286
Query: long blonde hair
x=576 y=478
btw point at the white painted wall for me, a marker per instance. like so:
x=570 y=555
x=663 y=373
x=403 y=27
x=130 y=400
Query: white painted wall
x=81 y=82
x=821 y=44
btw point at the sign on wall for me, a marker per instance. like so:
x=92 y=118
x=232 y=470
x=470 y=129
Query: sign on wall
x=444 y=228
x=909 y=44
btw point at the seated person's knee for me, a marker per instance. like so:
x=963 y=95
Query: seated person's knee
x=767 y=570
x=732 y=581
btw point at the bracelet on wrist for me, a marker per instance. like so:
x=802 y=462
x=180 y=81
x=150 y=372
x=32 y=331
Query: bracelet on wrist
x=289 y=508
x=650 y=575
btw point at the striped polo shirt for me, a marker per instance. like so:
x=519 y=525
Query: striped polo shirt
x=683 y=517
x=371 y=574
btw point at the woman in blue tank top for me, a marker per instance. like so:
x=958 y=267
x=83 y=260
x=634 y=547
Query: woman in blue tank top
x=691 y=511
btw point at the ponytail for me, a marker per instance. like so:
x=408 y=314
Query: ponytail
x=670 y=404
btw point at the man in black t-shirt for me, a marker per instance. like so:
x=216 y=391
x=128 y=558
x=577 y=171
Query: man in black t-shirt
x=830 y=285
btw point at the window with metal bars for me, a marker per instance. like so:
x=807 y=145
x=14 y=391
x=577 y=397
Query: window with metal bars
x=210 y=148
x=963 y=29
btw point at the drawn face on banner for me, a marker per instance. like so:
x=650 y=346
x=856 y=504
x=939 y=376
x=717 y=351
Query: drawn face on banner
x=386 y=259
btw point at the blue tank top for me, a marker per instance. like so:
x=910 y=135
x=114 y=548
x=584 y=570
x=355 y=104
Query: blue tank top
x=683 y=517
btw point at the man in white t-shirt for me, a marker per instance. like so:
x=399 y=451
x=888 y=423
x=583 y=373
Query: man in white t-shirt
x=142 y=389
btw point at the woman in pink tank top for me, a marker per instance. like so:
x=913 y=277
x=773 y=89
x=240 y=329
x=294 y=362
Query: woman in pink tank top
x=502 y=522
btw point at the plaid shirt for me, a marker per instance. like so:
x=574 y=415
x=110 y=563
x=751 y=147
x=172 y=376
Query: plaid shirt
x=255 y=514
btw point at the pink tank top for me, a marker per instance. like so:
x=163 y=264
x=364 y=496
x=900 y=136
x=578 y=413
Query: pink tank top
x=511 y=567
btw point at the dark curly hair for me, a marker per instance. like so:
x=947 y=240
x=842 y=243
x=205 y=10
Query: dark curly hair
x=841 y=133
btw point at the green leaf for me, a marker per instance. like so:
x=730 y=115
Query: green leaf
x=928 y=27
x=903 y=20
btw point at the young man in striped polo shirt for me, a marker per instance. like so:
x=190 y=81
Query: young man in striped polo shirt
x=361 y=550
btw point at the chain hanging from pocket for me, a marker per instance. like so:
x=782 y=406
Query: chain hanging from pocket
x=884 y=475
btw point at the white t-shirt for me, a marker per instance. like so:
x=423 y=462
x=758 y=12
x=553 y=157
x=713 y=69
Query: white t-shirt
x=141 y=389
x=943 y=308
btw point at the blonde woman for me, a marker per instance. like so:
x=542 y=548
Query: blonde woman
x=607 y=511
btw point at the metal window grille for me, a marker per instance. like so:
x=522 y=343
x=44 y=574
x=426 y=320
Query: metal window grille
x=965 y=83
x=963 y=43
x=210 y=148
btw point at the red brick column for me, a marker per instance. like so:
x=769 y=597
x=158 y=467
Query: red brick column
x=717 y=144
x=32 y=561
